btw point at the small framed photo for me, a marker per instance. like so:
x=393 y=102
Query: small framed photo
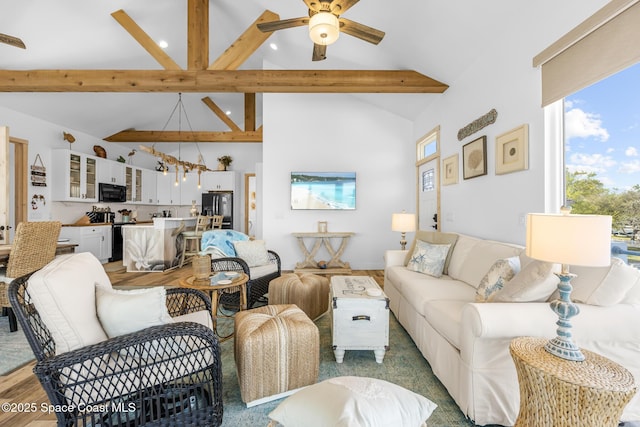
x=450 y=170
x=474 y=158
x=512 y=150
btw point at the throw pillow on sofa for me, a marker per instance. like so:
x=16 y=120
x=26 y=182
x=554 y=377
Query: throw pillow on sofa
x=428 y=259
x=534 y=282
x=437 y=238
x=603 y=286
x=498 y=275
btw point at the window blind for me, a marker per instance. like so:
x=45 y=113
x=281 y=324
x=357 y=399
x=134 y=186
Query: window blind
x=607 y=42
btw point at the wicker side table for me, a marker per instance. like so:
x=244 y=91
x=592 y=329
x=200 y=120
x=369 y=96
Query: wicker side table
x=558 y=392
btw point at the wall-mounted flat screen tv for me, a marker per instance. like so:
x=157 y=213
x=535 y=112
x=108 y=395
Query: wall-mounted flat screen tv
x=323 y=190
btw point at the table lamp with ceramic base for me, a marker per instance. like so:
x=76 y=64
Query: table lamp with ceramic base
x=583 y=240
x=404 y=223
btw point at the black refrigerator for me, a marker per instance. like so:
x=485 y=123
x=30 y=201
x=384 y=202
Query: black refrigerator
x=219 y=203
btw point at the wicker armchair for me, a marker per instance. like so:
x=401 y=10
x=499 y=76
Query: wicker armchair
x=34 y=245
x=257 y=287
x=166 y=375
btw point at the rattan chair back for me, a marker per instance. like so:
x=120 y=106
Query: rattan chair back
x=34 y=246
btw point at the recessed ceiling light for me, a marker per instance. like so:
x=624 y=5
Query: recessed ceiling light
x=228 y=112
x=273 y=46
x=163 y=44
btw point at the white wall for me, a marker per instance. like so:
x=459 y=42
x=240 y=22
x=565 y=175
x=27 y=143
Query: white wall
x=331 y=132
x=494 y=206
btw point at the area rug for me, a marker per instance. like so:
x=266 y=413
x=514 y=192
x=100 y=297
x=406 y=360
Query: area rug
x=14 y=349
x=403 y=365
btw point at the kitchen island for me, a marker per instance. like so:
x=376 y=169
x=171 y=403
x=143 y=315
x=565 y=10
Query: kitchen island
x=154 y=247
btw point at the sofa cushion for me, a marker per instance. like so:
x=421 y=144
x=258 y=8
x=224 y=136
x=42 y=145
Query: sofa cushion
x=535 y=282
x=435 y=237
x=253 y=252
x=124 y=311
x=445 y=316
x=353 y=401
x=604 y=286
x=428 y=258
x=63 y=292
x=498 y=275
x=478 y=257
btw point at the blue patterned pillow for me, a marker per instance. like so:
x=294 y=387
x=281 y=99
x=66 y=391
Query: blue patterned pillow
x=498 y=275
x=428 y=258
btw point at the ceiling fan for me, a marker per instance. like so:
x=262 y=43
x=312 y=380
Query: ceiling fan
x=13 y=41
x=325 y=24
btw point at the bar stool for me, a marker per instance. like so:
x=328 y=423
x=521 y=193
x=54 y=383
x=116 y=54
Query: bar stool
x=216 y=222
x=191 y=239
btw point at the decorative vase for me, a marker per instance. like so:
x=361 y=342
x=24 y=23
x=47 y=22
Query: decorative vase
x=222 y=166
x=201 y=267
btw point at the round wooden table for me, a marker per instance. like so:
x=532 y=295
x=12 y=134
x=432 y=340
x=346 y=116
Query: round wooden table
x=215 y=291
x=555 y=392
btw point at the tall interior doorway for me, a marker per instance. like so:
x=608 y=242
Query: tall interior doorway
x=13 y=170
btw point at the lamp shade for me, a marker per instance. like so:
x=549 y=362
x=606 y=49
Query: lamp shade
x=583 y=240
x=403 y=222
x=324 y=28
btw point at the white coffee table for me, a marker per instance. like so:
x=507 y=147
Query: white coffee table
x=359 y=320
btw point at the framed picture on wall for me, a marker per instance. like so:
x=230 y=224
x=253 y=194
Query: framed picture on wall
x=474 y=158
x=450 y=170
x=512 y=150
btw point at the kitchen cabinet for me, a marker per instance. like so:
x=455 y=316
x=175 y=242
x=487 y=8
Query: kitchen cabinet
x=95 y=239
x=218 y=181
x=110 y=172
x=189 y=190
x=166 y=189
x=134 y=182
x=75 y=176
x=149 y=187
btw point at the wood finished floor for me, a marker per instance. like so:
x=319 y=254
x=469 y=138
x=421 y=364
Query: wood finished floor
x=21 y=385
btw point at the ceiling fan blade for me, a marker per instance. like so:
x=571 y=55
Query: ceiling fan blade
x=361 y=31
x=338 y=7
x=313 y=5
x=13 y=41
x=319 y=52
x=267 y=27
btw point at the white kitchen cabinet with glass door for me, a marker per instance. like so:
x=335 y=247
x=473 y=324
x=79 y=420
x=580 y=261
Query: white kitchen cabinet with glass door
x=133 y=182
x=75 y=176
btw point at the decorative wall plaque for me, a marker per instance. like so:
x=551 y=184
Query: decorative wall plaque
x=478 y=124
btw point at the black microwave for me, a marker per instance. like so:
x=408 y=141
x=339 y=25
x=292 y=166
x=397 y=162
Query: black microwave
x=112 y=193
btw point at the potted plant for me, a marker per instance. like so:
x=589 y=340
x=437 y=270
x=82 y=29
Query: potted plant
x=224 y=162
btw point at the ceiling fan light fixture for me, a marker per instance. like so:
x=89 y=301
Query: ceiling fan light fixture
x=324 y=28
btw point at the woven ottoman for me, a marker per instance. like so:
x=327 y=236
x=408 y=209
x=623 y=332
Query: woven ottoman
x=308 y=291
x=277 y=351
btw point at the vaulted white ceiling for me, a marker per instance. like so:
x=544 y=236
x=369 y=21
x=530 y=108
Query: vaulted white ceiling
x=441 y=39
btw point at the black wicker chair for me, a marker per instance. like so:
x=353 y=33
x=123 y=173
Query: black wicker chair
x=167 y=375
x=257 y=287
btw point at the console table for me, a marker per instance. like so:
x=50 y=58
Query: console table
x=335 y=265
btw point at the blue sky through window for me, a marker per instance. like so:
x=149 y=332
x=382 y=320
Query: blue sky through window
x=602 y=130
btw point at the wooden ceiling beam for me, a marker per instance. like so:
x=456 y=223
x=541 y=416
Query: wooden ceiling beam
x=221 y=114
x=243 y=81
x=145 y=41
x=245 y=45
x=197 y=34
x=249 y=112
x=155 y=136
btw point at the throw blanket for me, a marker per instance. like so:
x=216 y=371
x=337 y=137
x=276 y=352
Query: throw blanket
x=219 y=243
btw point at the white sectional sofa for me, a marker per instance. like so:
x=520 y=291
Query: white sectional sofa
x=467 y=342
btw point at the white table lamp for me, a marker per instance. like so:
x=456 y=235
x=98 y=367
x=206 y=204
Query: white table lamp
x=567 y=239
x=404 y=223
